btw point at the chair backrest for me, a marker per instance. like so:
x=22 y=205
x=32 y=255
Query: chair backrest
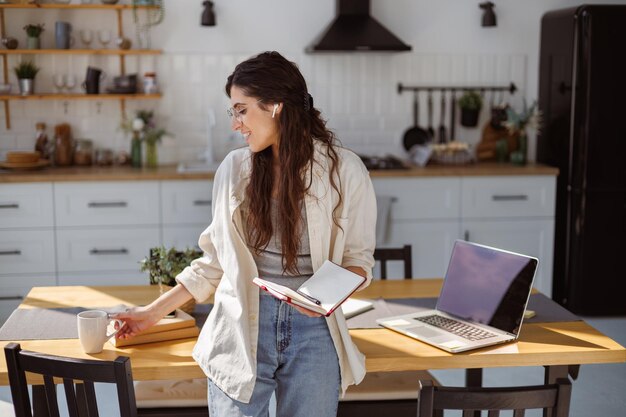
x=394 y=254
x=78 y=377
x=469 y=400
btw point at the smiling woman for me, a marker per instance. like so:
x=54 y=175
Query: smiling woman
x=282 y=206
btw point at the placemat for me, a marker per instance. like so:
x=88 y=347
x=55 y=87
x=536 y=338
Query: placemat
x=45 y=323
x=546 y=310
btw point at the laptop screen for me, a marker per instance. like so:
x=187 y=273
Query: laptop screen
x=487 y=285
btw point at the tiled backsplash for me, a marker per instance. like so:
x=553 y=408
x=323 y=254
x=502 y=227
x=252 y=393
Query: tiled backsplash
x=357 y=93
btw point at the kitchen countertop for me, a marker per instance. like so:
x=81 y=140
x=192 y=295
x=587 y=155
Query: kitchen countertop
x=116 y=173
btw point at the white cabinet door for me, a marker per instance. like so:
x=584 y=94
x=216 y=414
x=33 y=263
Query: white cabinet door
x=420 y=198
x=186 y=202
x=528 y=237
x=26 y=205
x=498 y=197
x=26 y=251
x=100 y=249
x=431 y=245
x=107 y=203
x=181 y=237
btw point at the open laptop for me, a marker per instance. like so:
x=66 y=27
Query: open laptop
x=482 y=301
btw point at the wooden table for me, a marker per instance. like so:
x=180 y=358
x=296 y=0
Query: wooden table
x=559 y=346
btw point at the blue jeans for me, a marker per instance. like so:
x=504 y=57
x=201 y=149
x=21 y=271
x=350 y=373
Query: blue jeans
x=296 y=358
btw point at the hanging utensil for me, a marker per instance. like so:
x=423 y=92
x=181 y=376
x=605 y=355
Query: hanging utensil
x=452 y=114
x=442 y=118
x=415 y=135
x=430 y=130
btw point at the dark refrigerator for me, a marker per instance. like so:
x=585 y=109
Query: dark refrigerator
x=582 y=95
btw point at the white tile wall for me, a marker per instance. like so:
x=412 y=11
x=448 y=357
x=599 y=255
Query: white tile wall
x=356 y=93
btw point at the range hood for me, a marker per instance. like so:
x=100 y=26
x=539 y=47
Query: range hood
x=355 y=30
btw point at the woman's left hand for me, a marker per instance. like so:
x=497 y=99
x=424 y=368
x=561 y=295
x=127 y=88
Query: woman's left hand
x=306 y=312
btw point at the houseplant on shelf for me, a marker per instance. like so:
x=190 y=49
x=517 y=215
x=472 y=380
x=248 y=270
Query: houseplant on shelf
x=33 y=31
x=25 y=72
x=518 y=123
x=164 y=264
x=470 y=103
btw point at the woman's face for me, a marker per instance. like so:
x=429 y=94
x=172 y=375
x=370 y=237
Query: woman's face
x=256 y=124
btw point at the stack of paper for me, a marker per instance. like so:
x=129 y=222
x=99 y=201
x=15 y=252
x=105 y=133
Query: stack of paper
x=181 y=326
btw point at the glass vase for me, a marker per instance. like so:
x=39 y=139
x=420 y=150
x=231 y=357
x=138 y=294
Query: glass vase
x=520 y=156
x=152 y=157
x=135 y=151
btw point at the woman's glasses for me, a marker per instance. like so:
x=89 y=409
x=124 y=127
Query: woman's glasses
x=238 y=115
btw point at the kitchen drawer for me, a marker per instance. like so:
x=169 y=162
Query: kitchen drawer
x=414 y=199
x=494 y=197
x=186 y=202
x=99 y=249
x=135 y=277
x=107 y=203
x=26 y=205
x=26 y=251
x=182 y=237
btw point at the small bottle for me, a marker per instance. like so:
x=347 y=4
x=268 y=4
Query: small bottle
x=150 y=83
x=41 y=145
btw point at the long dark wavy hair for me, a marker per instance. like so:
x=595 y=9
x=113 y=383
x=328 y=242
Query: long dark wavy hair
x=273 y=79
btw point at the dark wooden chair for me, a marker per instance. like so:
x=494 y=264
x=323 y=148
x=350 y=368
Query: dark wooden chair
x=383 y=255
x=78 y=377
x=555 y=397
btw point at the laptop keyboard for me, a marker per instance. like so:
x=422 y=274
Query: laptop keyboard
x=458 y=328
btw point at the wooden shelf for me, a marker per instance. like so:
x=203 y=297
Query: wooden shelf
x=75 y=6
x=54 y=96
x=81 y=51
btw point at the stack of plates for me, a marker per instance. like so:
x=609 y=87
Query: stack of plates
x=24 y=160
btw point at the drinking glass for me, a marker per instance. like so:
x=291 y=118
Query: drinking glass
x=104 y=36
x=86 y=37
x=70 y=82
x=59 y=82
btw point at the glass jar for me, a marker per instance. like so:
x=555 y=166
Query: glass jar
x=83 y=154
x=150 y=83
x=104 y=157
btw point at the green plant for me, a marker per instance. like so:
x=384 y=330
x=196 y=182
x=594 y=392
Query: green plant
x=33 y=30
x=144 y=125
x=164 y=264
x=154 y=15
x=529 y=117
x=471 y=100
x=26 y=70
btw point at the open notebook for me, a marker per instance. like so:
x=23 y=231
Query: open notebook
x=330 y=285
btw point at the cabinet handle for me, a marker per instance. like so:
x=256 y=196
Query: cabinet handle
x=121 y=251
x=9 y=206
x=466 y=236
x=202 y=202
x=11 y=297
x=511 y=197
x=11 y=252
x=107 y=204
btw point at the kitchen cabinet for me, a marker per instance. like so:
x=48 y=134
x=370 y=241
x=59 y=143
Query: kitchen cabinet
x=424 y=213
x=118 y=8
x=187 y=211
x=513 y=213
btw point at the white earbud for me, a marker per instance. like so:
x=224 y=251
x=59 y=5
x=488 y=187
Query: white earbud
x=274 y=111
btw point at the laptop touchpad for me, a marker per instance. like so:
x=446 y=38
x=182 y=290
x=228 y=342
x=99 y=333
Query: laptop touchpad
x=423 y=331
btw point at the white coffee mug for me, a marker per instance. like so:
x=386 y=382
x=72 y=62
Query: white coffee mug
x=92 y=329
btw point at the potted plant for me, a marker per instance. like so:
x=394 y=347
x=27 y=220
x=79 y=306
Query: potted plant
x=470 y=104
x=517 y=123
x=143 y=128
x=163 y=264
x=32 y=32
x=25 y=72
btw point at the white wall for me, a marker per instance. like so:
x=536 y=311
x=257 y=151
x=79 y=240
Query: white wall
x=356 y=92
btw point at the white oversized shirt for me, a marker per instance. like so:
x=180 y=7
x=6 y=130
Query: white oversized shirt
x=226 y=347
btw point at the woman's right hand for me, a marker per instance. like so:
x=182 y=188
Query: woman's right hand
x=136 y=320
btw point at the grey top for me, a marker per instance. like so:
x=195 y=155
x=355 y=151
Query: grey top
x=269 y=260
